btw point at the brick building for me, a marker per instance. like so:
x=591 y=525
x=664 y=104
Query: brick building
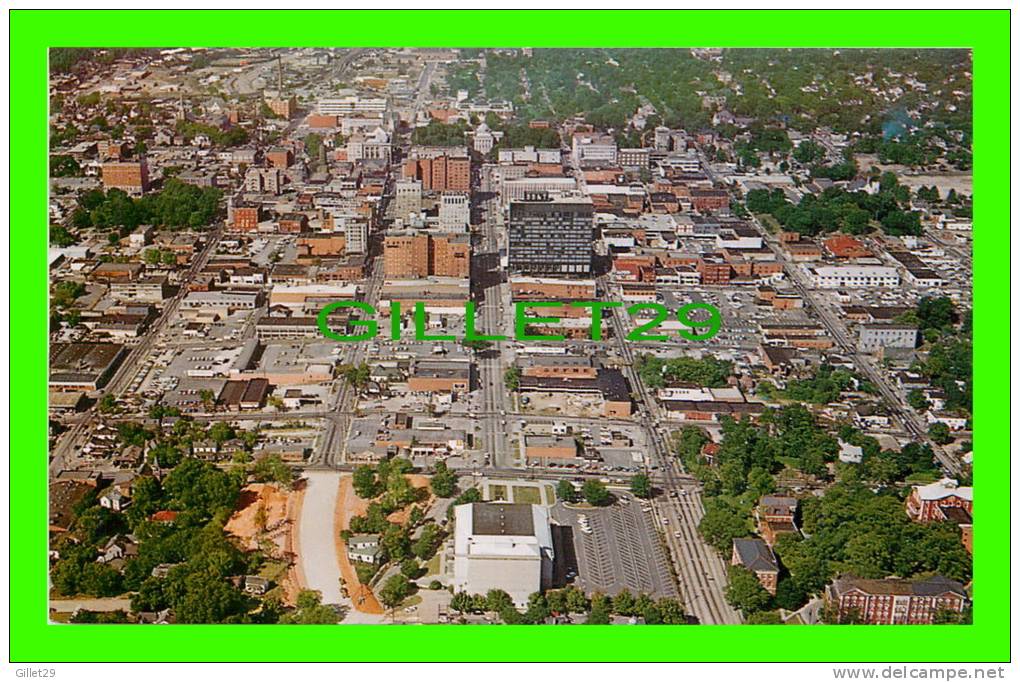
x=245 y=217
x=422 y=255
x=279 y=157
x=931 y=502
x=129 y=176
x=893 y=601
x=440 y=173
x=757 y=557
x=775 y=516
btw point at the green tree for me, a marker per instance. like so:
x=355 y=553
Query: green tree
x=461 y=602
x=721 y=523
x=356 y=375
x=310 y=611
x=428 y=541
x=222 y=432
x=108 y=404
x=207 y=397
x=444 y=481
x=566 y=491
x=600 y=611
x=366 y=485
x=671 y=611
x=313 y=145
x=641 y=486
x=765 y=618
x=395 y=590
x=916 y=399
x=59 y=236
x=512 y=378
x=596 y=493
x=744 y=592
x=200 y=487
x=272 y=469
x=940 y=433
x=410 y=568
x=498 y=600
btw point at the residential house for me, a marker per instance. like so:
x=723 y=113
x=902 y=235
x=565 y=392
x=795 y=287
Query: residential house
x=364 y=548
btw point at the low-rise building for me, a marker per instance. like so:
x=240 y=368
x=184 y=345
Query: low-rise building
x=500 y=546
x=893 y=601
x=364 y=548
x=757 y=557
x=931 y=502
x=875 y=337
x=854 y=276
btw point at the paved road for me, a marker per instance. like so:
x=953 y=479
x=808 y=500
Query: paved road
x=72 y=441
x=110 y=604
x=316 y=536
x=836 y=326
x=700 y=570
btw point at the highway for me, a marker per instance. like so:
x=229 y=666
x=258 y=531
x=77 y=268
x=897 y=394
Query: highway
x=701 y=571
x=332 y=449
x=491 y=363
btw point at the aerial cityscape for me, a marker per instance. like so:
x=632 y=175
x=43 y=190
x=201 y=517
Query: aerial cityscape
x=523 y=336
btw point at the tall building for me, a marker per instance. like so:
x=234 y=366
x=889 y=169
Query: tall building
x=454 y=211
x=263 y=180
x=374 y=145
x=356 y=233
x=594 y=149
x=407 y=198
x=417 y=254
x=130 y=176
x=440 y=169
x=282 y=106
x=483 y=140
x=551 y=236
x=499 y=546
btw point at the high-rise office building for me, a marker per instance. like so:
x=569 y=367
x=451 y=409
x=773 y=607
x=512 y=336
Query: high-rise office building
x=454 y=211
x=551 y=236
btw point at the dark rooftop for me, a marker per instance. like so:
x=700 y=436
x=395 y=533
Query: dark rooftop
x=502 y=519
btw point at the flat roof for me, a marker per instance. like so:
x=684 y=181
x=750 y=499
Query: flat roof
x=502 y=519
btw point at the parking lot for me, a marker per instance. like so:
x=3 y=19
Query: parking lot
x=617 y=548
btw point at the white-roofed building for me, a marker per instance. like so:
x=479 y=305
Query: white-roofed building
x=500 y=546
x=854 y=276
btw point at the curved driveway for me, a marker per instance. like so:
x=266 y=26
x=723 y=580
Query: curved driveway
x=316 y=536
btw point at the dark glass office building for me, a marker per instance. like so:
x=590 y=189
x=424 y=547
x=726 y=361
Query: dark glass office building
x=551 y=236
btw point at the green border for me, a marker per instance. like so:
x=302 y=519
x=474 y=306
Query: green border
x=33 y=32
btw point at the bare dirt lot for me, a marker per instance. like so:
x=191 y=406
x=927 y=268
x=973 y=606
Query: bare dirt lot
x=265 y=519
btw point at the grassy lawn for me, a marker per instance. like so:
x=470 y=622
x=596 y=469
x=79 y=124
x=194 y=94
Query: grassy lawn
x=497 y=493
x=550 y=494
x=273 y=570
x=526 y=494
x=922 y=477
x=432 y=567
x=789 y=462
x=768 y=222
x=413 y=600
